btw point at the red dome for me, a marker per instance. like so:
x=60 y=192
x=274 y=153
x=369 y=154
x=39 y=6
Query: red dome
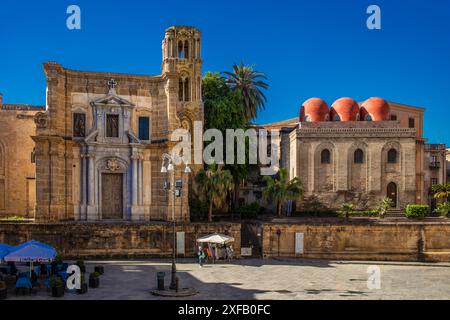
x=344 y=109
x=376 y=108
x=315 y=109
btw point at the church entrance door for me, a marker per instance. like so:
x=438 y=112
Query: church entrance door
x=112 y=196
x=392 y=193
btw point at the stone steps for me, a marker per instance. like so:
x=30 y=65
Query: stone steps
x=395 y=213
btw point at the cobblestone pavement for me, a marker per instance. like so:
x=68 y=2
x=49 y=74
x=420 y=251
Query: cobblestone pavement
x=269 y=279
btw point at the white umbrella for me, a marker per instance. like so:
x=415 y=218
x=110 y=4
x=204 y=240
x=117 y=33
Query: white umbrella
x=216 y=238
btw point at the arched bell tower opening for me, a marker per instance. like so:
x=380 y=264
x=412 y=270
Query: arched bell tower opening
x=182 y=59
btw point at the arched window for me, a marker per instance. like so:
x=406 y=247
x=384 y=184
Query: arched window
x=180 y=90
x=184 y=89
x=368 y=117
x=187 y=96
x=325 y=156
x=359 y=156
x=392 y=156
x=336 y=117
x=181 y=53
x=186 y=49
x=307 y=118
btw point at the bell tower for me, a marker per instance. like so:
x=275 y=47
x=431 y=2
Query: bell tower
x=182 y=59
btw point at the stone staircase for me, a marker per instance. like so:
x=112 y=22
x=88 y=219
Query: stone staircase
x=395 y=213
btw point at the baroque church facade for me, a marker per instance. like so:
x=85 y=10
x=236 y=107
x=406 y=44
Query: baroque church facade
x=100 y=140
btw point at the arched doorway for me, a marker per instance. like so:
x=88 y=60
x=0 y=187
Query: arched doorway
x=392 y=194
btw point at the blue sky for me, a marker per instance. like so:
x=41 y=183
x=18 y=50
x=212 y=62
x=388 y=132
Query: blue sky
x=307 y=48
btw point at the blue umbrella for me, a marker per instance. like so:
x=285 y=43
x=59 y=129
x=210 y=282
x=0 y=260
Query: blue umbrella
x=31 y=253
x=5 y=249
x=35 y=243
x=3 y=253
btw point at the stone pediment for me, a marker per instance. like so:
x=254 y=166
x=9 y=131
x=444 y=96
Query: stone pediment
x=112 y=99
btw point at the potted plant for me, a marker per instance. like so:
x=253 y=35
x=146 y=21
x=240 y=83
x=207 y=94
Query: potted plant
x=57 y=286
x=3 y=290
x=80 y=264
x=84 y=285
x=94 y=280
x=99 y=269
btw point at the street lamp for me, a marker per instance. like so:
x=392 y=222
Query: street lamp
x=168 y=165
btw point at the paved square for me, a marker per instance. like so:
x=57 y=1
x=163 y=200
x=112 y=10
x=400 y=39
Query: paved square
x=269 y=279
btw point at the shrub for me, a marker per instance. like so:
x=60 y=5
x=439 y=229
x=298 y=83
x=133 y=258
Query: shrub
x=346 y=209
x=417 y=211
x=249 y=211
x=365 y=213
x=443 y=208
x=318 y=213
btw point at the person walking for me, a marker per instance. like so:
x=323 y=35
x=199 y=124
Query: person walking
x=201 y=256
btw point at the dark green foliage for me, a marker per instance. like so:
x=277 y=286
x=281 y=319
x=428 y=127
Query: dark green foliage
x=416 y=211
x=249 y=211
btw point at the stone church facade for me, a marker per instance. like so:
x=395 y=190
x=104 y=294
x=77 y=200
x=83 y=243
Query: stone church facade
x=99 y=142
x=354 y=153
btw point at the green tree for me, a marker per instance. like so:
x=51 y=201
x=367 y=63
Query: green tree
x=214 y=183
x=250 y=84
x=346 y=209
x=282 y=189
x=441 y=191
x=224 y=110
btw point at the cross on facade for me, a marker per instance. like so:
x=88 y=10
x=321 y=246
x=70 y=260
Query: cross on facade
x=112 y=84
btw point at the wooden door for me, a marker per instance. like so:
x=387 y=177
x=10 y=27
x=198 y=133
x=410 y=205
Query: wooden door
x=112 y=196
x=392 y=193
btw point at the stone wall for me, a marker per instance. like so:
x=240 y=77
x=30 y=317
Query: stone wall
x=17 y=172
x=107 y=240
x=342 y=180
x=407 y=241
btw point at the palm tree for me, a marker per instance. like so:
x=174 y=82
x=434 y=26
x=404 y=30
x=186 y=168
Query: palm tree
x=214 y=185
x=282 y=189
x=347 y=208
x=250 y=84
x=441 y=191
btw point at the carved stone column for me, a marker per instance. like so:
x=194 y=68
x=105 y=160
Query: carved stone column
x=83 y=187
x=92 y=213
x=134 y=182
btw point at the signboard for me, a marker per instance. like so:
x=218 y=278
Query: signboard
x=180 y=243
x=299 y=243
x=246 y=252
